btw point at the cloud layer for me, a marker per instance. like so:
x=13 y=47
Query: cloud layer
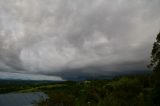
x=56 y=36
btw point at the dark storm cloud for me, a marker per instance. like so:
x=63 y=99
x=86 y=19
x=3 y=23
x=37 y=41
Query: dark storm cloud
x=54 y=36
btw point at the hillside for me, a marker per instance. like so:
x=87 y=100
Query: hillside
x=121 y=91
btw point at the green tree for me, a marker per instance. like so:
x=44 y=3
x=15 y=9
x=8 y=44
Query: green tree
x=155 y=55
x=155 y=66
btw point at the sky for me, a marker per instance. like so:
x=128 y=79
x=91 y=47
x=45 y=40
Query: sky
x=73 y=38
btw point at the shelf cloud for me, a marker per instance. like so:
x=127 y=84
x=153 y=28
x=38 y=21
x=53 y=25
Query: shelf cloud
x=56 y=37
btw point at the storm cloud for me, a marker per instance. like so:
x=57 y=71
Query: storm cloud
x=79 y=36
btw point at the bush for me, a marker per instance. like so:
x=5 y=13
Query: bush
x=155 y=94
x=58 y=99
x=128 y=85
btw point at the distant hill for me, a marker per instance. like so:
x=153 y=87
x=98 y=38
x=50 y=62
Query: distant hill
x=24 y=82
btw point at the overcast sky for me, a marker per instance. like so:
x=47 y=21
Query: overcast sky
x=57 y=37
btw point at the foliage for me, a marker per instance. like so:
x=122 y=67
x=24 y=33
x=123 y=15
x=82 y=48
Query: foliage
x=122 y=91
x=125 y=91
x=155 y=55
x=155 y=66
x=155 y=94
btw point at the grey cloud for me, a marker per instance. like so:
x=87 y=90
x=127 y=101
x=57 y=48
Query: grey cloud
x=55 y=36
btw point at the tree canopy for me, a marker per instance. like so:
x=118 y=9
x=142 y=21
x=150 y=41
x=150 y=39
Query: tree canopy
x=155 y=55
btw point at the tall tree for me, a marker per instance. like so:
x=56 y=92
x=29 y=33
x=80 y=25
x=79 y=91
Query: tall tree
x=155 y=55
x=155 y=66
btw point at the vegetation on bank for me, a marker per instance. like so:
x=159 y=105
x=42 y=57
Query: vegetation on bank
x=135 y=90
x=124 y=91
